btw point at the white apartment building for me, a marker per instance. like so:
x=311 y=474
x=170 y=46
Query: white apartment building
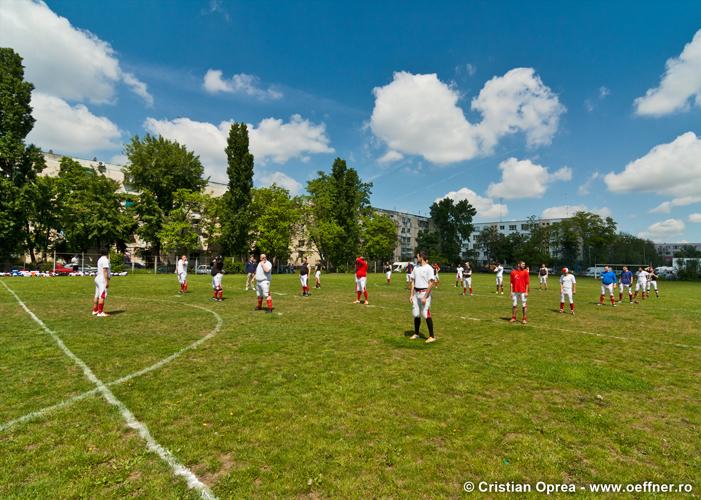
x=408 y=227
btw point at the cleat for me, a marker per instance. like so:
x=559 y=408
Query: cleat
x=356 y=302
x=512 y=320
x=257 y=308
x=572 y=313
x=268 y=311
x=102 y=315
x=561 y=311
x=613 y=305
x=367 y=303
x=413 y=337
x=94 y=313
x=429 y=340
x=524 y=321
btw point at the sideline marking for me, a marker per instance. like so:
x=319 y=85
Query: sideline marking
x=159 y=364
x=178 y=469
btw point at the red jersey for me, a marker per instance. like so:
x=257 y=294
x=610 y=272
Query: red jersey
x=361 y=268
x=520 y=280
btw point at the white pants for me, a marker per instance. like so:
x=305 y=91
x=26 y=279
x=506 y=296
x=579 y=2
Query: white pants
x=467 y=282
x=500 y=281
x=623 y=286
x=543 y=280
x=182 y=278
x=303 y=278
x=608 y=287
x=408 y=278
x=360 y=284
x=263 y=288
x=216 y=281
x=640 y=285
x=515 y=296
x=437 y=277
x=459 y=277
x=100 y=289
x=653 y=283
x=418 y=308
x=318 y=275
x=388 y=274
x=568 y=294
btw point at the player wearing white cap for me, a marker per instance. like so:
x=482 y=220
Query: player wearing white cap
x=568 y=288
x=102 y=283
x=423 y=280
x=263 y=278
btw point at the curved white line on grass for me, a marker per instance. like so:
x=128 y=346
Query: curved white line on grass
x=68 y=402
x=178 y=469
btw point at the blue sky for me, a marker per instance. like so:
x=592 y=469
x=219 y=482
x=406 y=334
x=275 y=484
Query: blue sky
x=524 y=109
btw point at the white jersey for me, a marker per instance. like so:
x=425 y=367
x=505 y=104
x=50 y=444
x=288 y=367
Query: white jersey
x=567 y=282
x=263 y=271
x=423 y=275
x=500 y=271
x=102 y=264
x=642 y=276
x=182 y=266
x=460 y=271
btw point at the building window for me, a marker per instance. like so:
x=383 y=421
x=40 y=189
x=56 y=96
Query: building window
x=512 y=227
x=524 y=227
x=501 y=228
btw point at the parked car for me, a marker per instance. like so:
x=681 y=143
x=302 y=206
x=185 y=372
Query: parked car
x=62 y=270
x=593 y=272
x=203 y=269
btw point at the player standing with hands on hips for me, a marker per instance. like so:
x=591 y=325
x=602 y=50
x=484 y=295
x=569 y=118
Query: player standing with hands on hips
x=361 y=277
x=102 y=283
x=420 y=297
x=520 y=285
x=568 y=288
x=263 y=277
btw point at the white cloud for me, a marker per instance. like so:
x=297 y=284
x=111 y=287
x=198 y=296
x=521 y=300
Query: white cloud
x=60 y=59
x=664 y=231
x=119 y=159
x=680 y=83
x=564 y=211
x=486 y=207
x=283 y=180
x=603 y=92
x=673 y=169
x=272 y=140
x=695 y=217
x=586 y=187
x=666 y=206
x=525 y=179
x=240 y=83
x=70 y=129
x=390 y=157
x=420 y=115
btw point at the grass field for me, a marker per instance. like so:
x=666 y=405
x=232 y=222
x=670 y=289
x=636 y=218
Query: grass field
x=324 y=398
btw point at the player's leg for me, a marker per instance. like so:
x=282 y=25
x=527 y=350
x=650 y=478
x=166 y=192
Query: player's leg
x=524 y=308
x=416 y=313
x=562 y=302
x=514 y=306
x=469 y=285
x=363 y=282
x=611 y=293
x=101 y=301
x=603 y=293
x=630 y=293
x=358 y=290
x=426 y=312
x=268 y=295
x=570 y=296
x=96 y=299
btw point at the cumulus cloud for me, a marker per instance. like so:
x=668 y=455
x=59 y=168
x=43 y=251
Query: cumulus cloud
x=666 y=206
x=525 y=179
x=680 y=83
x=564 y=211
x=390 y=156
x=271 y=140
x=586 y=187
x=672 y=169
x=418 y=114
x=664 y=231
x=281 y=179
x=695 y=217
x=70 y=129
x=60 y=59
x=486 y=207
x=240 y=83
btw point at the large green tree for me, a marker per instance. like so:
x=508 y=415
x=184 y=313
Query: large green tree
x=236 y=203
x=450 y=226
x=338 y=201
x=379 y=235
x=19 y=163
x=188 y=225
x=159 y=168
x=275 y=219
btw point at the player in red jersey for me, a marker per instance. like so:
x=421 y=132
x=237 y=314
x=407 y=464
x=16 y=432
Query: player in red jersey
x=520 y=285
x=361 y=276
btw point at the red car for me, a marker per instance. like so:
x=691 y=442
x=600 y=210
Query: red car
x=61 y=270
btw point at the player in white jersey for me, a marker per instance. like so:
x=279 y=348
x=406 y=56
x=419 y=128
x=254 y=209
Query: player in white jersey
x=543 y=278
x=652 y=281
x=317 y=276
x=568 y=288
x=458 y=275
x=640 y=284
x=467 y=279
x=388 y=272
x=423 y=280
x=217 y=278
x=263 y=277
x=499 y=270
x=181 y=271
x=102 y=283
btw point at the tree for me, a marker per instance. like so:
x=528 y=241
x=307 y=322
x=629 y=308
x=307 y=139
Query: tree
x=43 y=212
x=565 y=236
x=379 y=236
x=19 y=163
x=628 y=249
x=237 y=199
x=275 y=217
x=688 y=252
x=451 y=224
x=161 y=168
x=493 y=244
x=337 y=204
x=187 y=226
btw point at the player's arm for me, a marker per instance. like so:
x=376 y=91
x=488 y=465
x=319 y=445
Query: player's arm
x=411 y=293
x=106 y=275
x=428 y=290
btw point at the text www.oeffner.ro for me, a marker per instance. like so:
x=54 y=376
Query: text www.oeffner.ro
x=549 y=488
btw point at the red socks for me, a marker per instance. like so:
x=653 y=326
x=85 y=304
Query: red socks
x=94 y=308
x=358 y=296
x=260 y=302
x=365 y=293
x=572 y=307
x=100 y=307
x=562 y=306
x=613 y=302
x=470 y=290
x=270 y=304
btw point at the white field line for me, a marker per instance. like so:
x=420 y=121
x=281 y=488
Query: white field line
x=69 y=401
x=178 y=469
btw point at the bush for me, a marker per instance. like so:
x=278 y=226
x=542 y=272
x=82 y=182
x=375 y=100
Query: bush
x=45 y=266
x=233 y=266
x=116 y=262
x=689 y=271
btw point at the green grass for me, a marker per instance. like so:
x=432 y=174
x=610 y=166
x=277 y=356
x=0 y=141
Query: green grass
x=329 y=399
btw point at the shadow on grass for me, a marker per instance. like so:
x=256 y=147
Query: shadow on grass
x=116 y=312
x=406 y=342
